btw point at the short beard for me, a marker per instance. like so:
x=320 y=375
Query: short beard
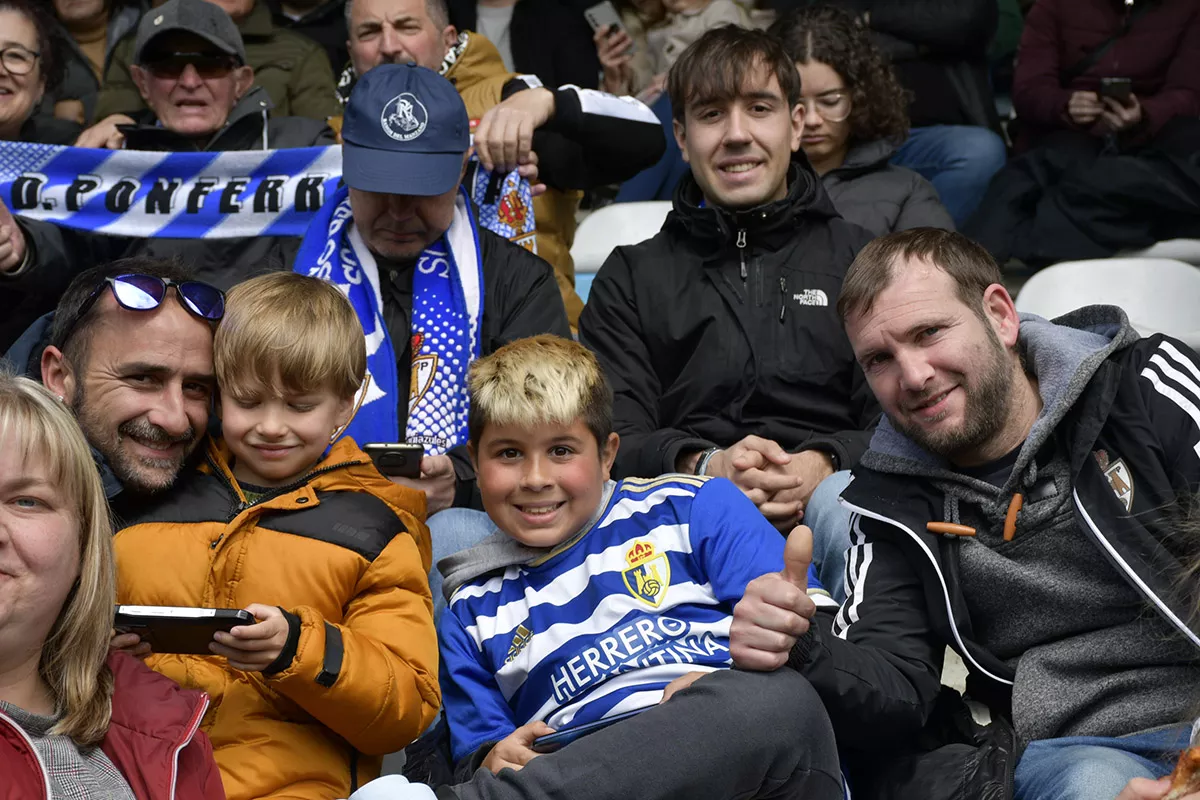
x=139 y=475
x=989 y=402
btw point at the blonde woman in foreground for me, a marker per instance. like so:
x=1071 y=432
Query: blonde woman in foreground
x=75 y=720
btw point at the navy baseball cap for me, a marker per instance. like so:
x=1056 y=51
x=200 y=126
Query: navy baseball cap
x=405 y=131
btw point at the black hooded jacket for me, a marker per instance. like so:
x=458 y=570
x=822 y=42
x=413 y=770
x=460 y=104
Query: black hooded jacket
x=724 y=325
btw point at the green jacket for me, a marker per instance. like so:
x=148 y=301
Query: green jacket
x=292 y=68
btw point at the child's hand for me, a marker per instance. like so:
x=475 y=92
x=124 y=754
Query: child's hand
x=253 y=647
x=130 y=643
x=682 y=682
x=514 y=751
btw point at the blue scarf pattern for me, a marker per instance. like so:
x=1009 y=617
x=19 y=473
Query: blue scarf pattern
x=447 y=313
x=209 y=195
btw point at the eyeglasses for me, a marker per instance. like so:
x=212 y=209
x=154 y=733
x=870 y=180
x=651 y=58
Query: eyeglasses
x=18 y=60
x=830 y=106
x=146 y=292
x=207 y=65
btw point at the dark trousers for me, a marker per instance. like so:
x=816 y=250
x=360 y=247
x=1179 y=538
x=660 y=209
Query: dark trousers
x=729 y=736
x=1075 y=196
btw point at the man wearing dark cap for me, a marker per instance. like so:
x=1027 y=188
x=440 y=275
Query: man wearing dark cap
x=433 y=288
x=293 y=69
x=193 y=74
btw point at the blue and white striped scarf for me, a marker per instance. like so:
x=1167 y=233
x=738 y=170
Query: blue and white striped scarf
x=446 y=317
x=211 y=195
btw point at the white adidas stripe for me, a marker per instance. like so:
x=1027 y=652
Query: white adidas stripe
x=1171 y=393
x=859 y=561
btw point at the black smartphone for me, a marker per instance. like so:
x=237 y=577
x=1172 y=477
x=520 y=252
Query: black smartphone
x=175 y=629
x=1119 y=89
x=561 y=738
x=397 y=460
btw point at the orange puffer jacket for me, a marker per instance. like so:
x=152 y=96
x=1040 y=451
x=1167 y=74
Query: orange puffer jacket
x=345 y=552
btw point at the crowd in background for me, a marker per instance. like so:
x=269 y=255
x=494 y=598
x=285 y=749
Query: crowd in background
x=848 y=178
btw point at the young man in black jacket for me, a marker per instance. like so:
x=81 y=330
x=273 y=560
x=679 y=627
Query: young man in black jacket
x=1016 y=505
x=719 y=334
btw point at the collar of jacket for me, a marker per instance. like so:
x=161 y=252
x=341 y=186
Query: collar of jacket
x=257 y=24
x=343 y=455
x=472 y=60
x=770 y=225
x=865 y=157
x=250 y=112
x=122 y=19
x=172 y=717
x=153 y=720
x=1065 y=355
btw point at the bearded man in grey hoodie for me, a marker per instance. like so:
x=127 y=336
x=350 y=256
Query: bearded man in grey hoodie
x=1016 y=504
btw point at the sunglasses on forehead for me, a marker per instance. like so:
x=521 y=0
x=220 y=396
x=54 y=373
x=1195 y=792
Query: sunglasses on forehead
x=207 y=65
x=146 y=292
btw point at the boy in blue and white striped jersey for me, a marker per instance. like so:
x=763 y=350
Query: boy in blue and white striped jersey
x=597 y=598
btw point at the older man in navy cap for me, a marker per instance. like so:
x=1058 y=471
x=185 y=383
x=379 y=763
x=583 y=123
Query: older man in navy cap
x=433 y=288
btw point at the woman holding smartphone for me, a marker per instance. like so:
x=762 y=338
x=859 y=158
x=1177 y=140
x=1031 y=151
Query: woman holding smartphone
x=75 y=720
x=1149 y=50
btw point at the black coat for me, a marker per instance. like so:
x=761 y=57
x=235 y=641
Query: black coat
x=549 y=40
x=706 y=343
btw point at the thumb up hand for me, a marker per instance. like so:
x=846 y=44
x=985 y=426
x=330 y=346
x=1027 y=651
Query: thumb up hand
x=797 y=557
x=12 y=241
x=775 y=610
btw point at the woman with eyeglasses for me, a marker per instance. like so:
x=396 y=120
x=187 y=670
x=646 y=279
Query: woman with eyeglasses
x=29 y=67
x=854 y=117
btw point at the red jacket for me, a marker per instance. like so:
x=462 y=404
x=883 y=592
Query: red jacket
x=1160 y=54
x=153 y=722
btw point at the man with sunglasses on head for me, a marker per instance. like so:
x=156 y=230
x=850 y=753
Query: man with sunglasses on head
x=129 y=351
x=191 y=68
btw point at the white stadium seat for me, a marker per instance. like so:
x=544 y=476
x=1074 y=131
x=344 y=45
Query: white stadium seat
x=1160 y=295
x=1179 y=249
x=613 y=225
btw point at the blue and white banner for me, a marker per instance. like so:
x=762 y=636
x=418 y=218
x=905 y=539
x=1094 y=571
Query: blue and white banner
x=211 y=195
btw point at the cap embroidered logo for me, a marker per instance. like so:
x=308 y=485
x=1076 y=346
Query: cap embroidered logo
x=404 y=117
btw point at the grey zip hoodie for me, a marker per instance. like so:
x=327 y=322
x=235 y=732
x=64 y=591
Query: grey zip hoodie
x=1090 y=658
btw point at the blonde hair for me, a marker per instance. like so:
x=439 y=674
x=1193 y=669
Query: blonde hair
x=38 y=427
x=539 y=380
x=286 y=331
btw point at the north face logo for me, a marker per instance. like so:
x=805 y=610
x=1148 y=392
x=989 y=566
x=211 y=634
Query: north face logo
x=811 y=297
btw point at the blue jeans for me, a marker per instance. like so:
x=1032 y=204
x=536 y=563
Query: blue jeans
x=1095 y=767
x=453 y=530
x=659 y=181
x=959 y=160
x=830 y=524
